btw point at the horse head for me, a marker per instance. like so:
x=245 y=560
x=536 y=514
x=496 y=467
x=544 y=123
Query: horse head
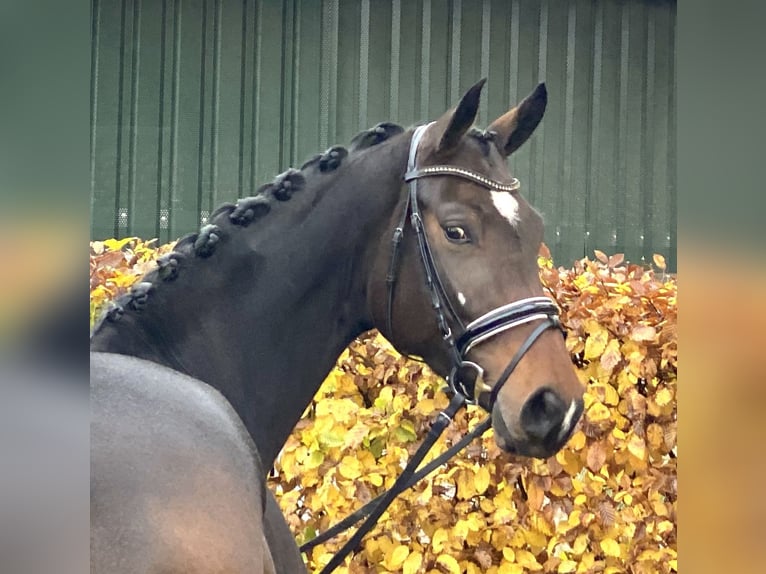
x=462 y=287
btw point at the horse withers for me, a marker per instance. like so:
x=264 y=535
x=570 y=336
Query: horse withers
x=200 y=373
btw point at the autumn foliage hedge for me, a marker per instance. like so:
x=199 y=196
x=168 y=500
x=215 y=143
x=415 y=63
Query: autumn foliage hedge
x=605 y=503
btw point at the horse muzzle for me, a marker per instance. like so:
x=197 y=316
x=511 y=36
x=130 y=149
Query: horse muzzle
x=543 y=426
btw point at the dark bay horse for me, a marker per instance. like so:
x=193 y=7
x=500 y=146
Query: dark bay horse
x=200 y=373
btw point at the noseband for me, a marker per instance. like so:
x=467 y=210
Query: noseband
x=466 y=378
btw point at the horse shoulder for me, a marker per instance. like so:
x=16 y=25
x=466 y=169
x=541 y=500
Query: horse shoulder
x=177 y=485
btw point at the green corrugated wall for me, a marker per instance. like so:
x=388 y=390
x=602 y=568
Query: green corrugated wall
x=196 y=102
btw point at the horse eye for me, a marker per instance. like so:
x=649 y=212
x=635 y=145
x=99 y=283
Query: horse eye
x=456 y=234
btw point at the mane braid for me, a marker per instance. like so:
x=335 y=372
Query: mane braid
x=246 y=210
x=375 y=135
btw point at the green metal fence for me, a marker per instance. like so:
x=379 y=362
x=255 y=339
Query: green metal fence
x=196 y=102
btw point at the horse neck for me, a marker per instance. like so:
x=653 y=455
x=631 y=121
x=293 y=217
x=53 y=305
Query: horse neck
x=265 y=317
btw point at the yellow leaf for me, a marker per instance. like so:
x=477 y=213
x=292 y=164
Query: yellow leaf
x=610 y=547
x=350 y=467
x=481 y=480
x=663 y=397
x=314 y=459
x=567 y=566
x=449 y=563
x=475 y=522
x=580 y=544
x=611 y=396
x=526 y=559
x=577 y=441
x=340 y=409
x=460 y=530
x=598 y=413
x=536 y=539
x=596 y=343
x=637 y=447
x=375 y=479
x=396 y=557
x=117 y=244
x=440 y=537
x=665 y=526
x=412 y=563
x=465 y=486
x=487 y=505
x=586 y=563
x=659 y=261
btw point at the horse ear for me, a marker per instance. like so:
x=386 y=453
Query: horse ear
x=453 y=125
x=515 y=126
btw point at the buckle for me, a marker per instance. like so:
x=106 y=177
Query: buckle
x=471 y=391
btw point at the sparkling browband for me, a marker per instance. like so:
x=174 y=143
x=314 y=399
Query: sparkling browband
x=465 y=174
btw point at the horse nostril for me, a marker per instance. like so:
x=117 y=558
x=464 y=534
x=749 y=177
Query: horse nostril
x=543 y=414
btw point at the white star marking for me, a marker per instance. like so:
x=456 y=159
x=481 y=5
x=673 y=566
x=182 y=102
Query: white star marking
x=506 y=205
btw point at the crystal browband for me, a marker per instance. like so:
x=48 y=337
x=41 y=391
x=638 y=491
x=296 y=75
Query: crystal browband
x=465 y=174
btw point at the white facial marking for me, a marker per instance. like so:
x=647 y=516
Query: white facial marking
x=566 y=424
x=506 y=205
x=461 y=298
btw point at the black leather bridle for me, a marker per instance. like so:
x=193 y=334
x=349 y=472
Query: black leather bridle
x=466 y=377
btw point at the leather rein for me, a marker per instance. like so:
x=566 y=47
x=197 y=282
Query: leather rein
x=466 y=378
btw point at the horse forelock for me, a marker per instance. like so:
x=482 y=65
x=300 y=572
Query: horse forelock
x=484 y=138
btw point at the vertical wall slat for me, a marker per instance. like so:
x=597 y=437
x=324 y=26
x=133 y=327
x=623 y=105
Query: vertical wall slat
x=329 y=70
x=202 y=116
x=215 y=99
x=347 y=82
x=268 y=86
x=101 y=212
x=309 y=99
x=425 y=60
x=145 y=111
x=230 y=99
x=395 y=57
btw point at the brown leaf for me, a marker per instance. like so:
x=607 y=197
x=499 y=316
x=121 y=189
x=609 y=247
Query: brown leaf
x=606 y=513
x=611 y=356
x=596 y=456
x=484 y=558
x=616 y=259
x=110 y=259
